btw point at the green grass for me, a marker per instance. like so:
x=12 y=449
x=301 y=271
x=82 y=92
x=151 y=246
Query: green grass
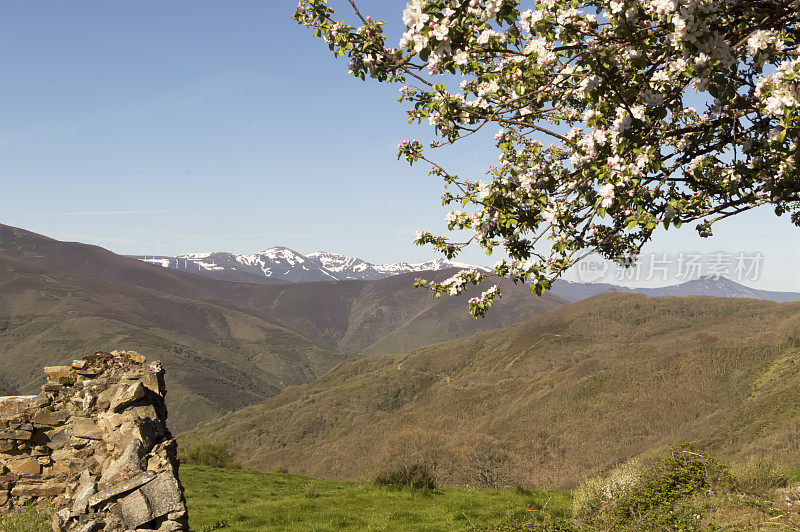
x=29 y=518
x=226 y=499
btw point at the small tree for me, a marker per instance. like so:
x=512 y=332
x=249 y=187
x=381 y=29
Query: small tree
x=605 y=84
x=488 y=465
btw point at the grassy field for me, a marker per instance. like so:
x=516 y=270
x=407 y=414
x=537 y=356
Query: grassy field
x=685 y=491
x=230 y=499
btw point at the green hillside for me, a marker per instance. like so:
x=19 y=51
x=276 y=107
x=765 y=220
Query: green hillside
x=238 y=500
x=546 y=402
x=283 y=502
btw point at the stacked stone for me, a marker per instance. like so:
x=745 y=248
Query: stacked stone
x=95 y=443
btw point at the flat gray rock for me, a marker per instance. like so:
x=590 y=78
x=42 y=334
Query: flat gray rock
x=153 y=500
x=121 y=487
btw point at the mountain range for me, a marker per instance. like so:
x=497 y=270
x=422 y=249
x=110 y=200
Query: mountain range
x=224 y=344
x=281 y=264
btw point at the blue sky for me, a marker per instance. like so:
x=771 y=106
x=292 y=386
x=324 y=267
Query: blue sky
x=166 y=127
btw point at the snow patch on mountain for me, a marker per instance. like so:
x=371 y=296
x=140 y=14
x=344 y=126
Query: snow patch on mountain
x=285 y=264
x=164 y=263
x=209 y=266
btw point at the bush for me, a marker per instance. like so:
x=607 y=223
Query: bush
x=664 y=496
x=207 y=454
x=416 y=475
x=587 y=498
x=662 y=499
x=487 y=465
x=760 y=475
x=685 y=491
x=591 y=495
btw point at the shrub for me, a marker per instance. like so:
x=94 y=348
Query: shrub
x=760 y=475
x=416 y=475
x=590 y=496
x=487 y=466
x=662 y=499
x=685 y=491
x=664 y=496
x=587 y=498
x=208 y=454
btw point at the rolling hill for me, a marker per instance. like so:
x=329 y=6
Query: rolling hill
x=59 y=301
x=224 y=344
x=567 y=393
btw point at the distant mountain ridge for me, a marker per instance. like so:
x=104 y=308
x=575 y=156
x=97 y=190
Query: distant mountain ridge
x=704 y=286
x=282 y=264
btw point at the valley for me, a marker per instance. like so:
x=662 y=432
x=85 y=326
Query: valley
x=569 y=393
x=341 y=379
x=224 y=344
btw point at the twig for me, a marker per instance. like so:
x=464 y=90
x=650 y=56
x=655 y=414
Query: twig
x=470 y=521
x=358 y=13
x=772 y=523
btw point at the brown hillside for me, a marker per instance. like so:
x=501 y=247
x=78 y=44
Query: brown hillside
x=567 y=393
x=386 y=316
x=224 y=344
x=218 y=357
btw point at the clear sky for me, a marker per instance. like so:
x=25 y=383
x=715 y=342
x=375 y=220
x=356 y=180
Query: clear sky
x=165 y=127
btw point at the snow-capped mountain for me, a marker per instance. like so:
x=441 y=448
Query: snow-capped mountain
x=351 y=268
x=344 y=267
x=281 y=264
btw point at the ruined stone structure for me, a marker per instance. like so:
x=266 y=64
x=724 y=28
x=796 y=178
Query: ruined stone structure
x=96 y=444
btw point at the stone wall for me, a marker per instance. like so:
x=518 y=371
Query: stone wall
x=96 y=444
